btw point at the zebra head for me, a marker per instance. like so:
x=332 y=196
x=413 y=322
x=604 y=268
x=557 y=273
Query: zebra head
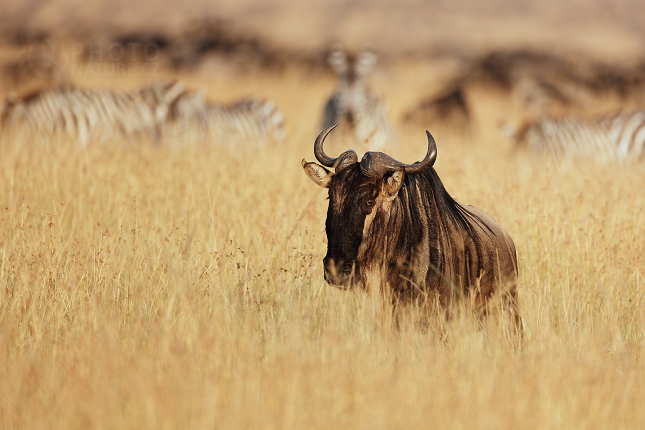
x=351 y=70
x=360 y=194
x=352 y=90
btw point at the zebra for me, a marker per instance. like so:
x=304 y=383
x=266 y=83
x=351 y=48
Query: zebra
x=160 y=110
x=619 y=136
x=357 y=109
x=97 y=114
x=244 y=121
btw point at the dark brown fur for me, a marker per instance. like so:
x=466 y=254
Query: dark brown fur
x=421 y=243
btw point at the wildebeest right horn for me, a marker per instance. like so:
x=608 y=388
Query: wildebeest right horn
x=346 y=158
x=378 y=164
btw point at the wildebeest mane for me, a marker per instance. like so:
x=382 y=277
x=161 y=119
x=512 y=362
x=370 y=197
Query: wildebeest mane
x=450 y=211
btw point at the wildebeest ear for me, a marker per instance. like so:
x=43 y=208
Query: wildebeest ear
x=317 y=173
x=393 y=183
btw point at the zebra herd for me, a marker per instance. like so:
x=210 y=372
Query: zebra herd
x=167 y=110
x=154 y=111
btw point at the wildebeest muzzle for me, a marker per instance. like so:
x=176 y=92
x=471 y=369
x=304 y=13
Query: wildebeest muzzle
x=340 y=273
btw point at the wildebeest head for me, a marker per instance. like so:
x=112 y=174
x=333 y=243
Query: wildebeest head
x=357 y=193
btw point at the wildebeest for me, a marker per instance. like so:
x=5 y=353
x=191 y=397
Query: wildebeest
x=390 y=223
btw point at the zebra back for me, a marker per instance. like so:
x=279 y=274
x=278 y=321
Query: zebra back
x=91 y=114
x=249 y=120
x=618 y=136
x=159 y=110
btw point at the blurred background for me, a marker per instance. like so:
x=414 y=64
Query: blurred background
x=452 y=65
x=603 y=28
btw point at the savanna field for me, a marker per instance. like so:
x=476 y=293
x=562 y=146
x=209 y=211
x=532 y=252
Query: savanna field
x=180 y=285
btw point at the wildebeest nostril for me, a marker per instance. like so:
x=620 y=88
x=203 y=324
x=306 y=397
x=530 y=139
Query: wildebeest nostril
x=348 y=267
x=337 y=271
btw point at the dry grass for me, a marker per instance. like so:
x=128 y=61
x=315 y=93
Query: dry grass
x=145 y=287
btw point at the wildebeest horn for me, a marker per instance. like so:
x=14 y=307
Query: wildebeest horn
x=346 y=158
x=377 y=164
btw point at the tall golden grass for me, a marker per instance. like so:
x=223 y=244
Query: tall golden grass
x=181 y=287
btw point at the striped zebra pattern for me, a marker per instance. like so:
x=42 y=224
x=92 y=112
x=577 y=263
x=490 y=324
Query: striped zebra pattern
x=95 y=115
x=618 y=136
x=250 y=120
x=354 y=106
x=159 y=111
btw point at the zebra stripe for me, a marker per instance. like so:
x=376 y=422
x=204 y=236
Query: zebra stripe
x=619 y=136
x=249 y=120
x=160 y=110
x=92 y=114
x=358 y=110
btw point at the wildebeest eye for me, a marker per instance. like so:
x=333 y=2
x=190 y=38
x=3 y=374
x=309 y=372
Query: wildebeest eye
x=369 y=202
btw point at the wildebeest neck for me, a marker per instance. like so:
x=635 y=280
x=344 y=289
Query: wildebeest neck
x=411 y=238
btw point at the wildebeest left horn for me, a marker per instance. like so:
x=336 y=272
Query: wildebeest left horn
x=346 y=158
x=378 y=164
